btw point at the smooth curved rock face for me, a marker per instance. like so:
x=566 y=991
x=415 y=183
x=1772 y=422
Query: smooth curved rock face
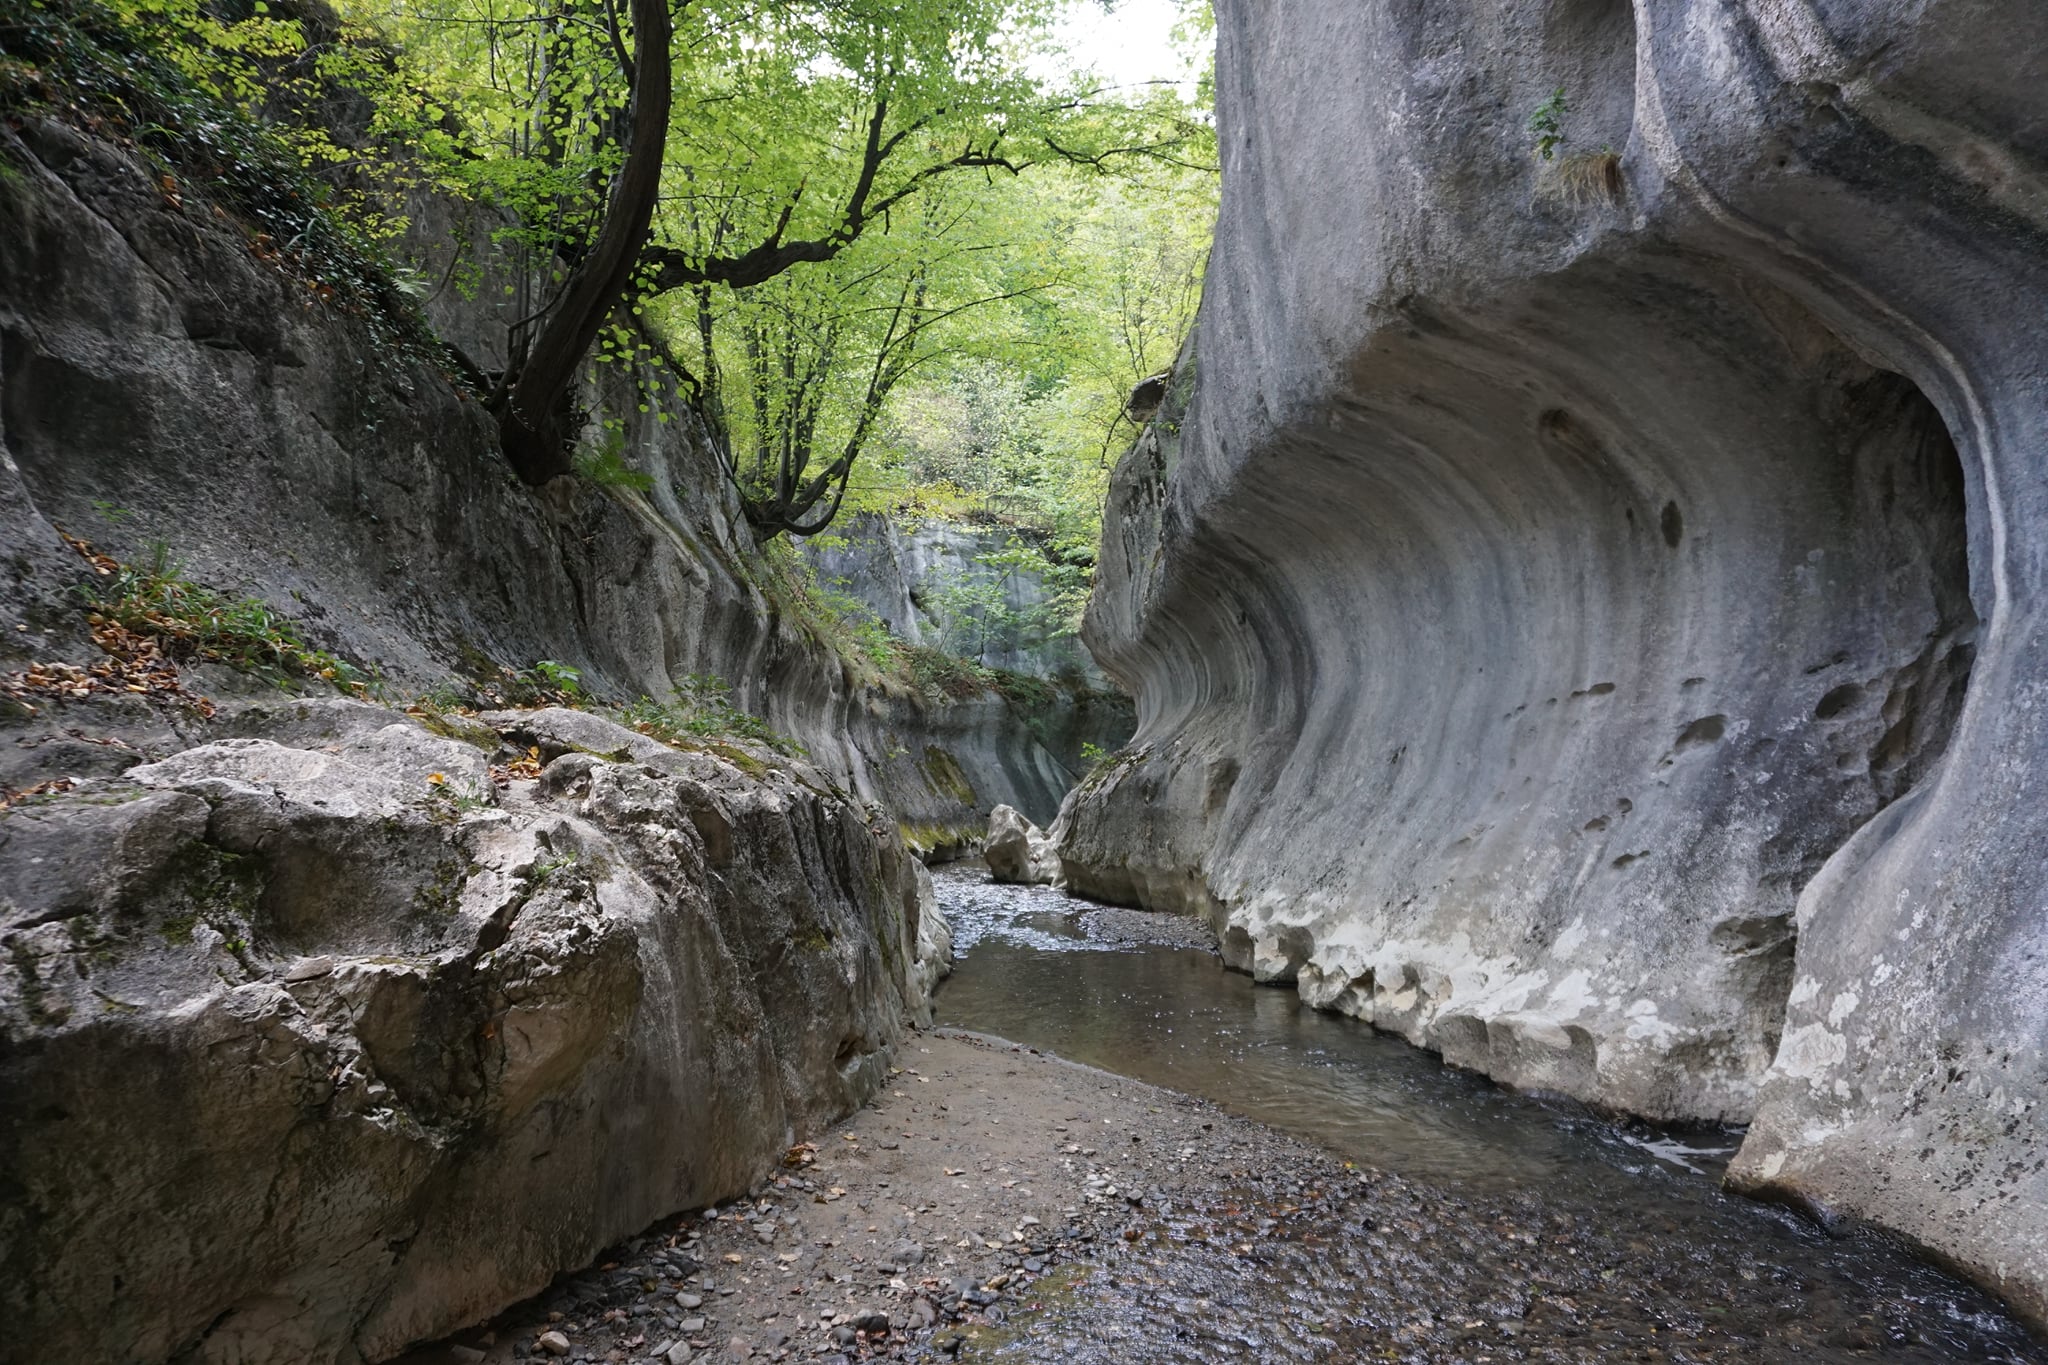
x=1588 y=616
x=317 y=1046
x=1018 y=851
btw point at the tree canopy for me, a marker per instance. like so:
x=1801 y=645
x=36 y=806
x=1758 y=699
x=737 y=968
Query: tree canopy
x=905 y=257
x=829 y=205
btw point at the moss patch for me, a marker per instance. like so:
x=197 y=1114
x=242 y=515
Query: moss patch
x=942 y=770
x=211 y=884
x=741 y=759
x=924 y=839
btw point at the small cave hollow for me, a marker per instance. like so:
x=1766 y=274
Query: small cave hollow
x=1589 y=49
x=1912 y=497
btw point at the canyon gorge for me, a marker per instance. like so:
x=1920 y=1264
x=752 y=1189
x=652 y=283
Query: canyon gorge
x=1581 y=595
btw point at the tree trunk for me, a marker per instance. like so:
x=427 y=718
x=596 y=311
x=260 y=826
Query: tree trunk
x=535 y=415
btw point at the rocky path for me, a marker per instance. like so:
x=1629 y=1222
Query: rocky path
x=996 y=1203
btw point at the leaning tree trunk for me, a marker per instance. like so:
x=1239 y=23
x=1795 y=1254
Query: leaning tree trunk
x=534 y=413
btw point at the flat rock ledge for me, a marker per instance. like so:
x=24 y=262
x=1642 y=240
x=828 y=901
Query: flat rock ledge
x=336 y=1037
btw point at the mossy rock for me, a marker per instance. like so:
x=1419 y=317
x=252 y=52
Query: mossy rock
x=943 y=772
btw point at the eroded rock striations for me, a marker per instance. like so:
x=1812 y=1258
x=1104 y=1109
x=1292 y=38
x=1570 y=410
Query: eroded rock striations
x=1587 y=613
x=320 y=1044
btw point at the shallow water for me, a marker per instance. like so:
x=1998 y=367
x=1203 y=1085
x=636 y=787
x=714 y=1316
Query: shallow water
x=1029 y=971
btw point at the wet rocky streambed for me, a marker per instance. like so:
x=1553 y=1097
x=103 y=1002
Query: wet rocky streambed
x=1313 y=1192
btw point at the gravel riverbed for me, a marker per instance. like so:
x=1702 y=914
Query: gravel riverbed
x=997 y=1203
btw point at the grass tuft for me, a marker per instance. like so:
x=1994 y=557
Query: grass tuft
x=1592 y=177
x=189 y=621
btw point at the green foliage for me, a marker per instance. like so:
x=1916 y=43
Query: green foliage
x=453 y=801
x=942 y=677
x=541 y=872
x=544 y=683
x=897 y=245
x=875 y=640
x=558 y=678
x=1094 y=755
x=835 y=621
x=700 y=709
x=973 y=610
x=189 y=621
x=1547 y=123
x=607 y=467
x=839 y=207
x=442 y=698
x=1015 y=425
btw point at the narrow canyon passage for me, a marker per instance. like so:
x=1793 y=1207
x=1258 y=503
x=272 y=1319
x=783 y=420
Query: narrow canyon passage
x=1300 y=1187
x=1477 y=573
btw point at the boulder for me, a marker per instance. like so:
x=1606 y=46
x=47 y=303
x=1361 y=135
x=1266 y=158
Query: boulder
x=314 y=1050
x=1018 y=851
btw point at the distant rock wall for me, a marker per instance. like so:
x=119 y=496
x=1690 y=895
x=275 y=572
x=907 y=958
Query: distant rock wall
x=921 y=579
x=911 y=577
x=1587 y=615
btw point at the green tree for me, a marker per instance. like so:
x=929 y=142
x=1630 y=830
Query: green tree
x=792 y=132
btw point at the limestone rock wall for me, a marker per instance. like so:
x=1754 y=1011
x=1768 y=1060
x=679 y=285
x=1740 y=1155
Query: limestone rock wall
x=1586 y=615
x=313 y=1041
x=161 y=385
x=925 y=581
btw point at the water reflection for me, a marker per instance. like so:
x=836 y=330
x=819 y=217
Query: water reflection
x=1175 y=1017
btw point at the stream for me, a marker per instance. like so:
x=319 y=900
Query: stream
x=1068 y=977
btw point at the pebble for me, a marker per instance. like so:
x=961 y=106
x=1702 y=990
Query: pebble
x=688 y=1301
x=554 y=1343
x=690 y=1327
x=678 y=1354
